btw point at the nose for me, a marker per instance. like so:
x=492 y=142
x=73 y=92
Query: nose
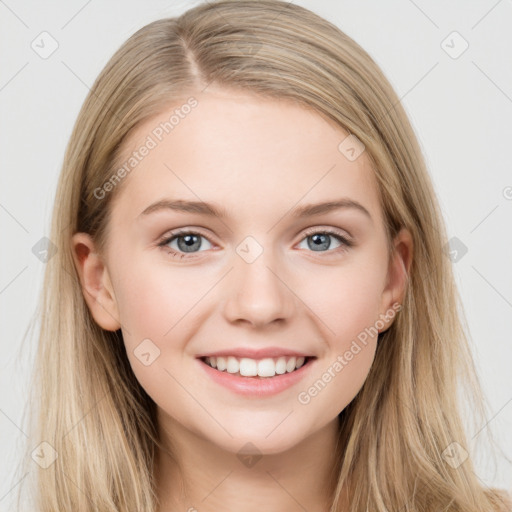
x=259 y=294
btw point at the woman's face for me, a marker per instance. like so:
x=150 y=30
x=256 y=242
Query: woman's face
x=268 y=274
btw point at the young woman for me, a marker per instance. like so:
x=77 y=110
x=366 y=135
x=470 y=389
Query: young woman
x=250 y=308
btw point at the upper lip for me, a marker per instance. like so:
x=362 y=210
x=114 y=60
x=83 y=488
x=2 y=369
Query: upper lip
x=253 y=353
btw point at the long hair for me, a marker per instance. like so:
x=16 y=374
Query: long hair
x=399 y=436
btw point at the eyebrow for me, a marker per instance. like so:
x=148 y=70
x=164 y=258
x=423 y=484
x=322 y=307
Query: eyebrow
x=212 y=210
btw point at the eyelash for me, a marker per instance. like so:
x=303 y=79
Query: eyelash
x=169 y=237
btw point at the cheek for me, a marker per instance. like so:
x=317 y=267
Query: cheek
x=153 y=298
x=150 y=309
x=347 y=299
x=145 y=307
x=160 y=304
x=346 y=304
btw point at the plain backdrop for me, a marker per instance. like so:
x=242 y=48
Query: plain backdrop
x=449 y=63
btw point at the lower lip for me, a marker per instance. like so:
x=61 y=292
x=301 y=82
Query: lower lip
x=257 y=386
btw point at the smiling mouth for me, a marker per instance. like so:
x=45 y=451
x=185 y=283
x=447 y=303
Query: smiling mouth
x=257 y=369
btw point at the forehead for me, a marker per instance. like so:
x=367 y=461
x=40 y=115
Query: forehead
x=245 y=153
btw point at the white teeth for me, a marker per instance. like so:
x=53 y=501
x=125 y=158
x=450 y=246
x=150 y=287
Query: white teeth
x=247 y=367
x=266 y=368
x=290 y=365
x=281 y=366
x=232 y=366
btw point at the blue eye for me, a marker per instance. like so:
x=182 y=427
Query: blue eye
x=320 y=240
x=189 y=242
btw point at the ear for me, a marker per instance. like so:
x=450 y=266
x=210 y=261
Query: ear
x=398 y=273
x=96 y=284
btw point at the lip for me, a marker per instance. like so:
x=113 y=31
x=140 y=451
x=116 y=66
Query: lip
x=253 y=353
x=257 y=387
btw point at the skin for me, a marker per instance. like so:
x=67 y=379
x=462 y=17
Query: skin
x=258 y=159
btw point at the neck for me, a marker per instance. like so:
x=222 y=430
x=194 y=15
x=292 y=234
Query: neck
x=198 y=475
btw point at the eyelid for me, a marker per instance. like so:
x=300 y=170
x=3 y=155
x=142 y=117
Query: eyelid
x=346 y=241
x=341 y=233
x=166 y=238
x=307 y=232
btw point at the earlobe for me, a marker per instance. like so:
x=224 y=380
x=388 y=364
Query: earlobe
x=95 y=282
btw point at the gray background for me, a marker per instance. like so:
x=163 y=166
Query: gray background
x=460 y=108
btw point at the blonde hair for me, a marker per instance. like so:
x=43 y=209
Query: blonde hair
x=91 y=408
